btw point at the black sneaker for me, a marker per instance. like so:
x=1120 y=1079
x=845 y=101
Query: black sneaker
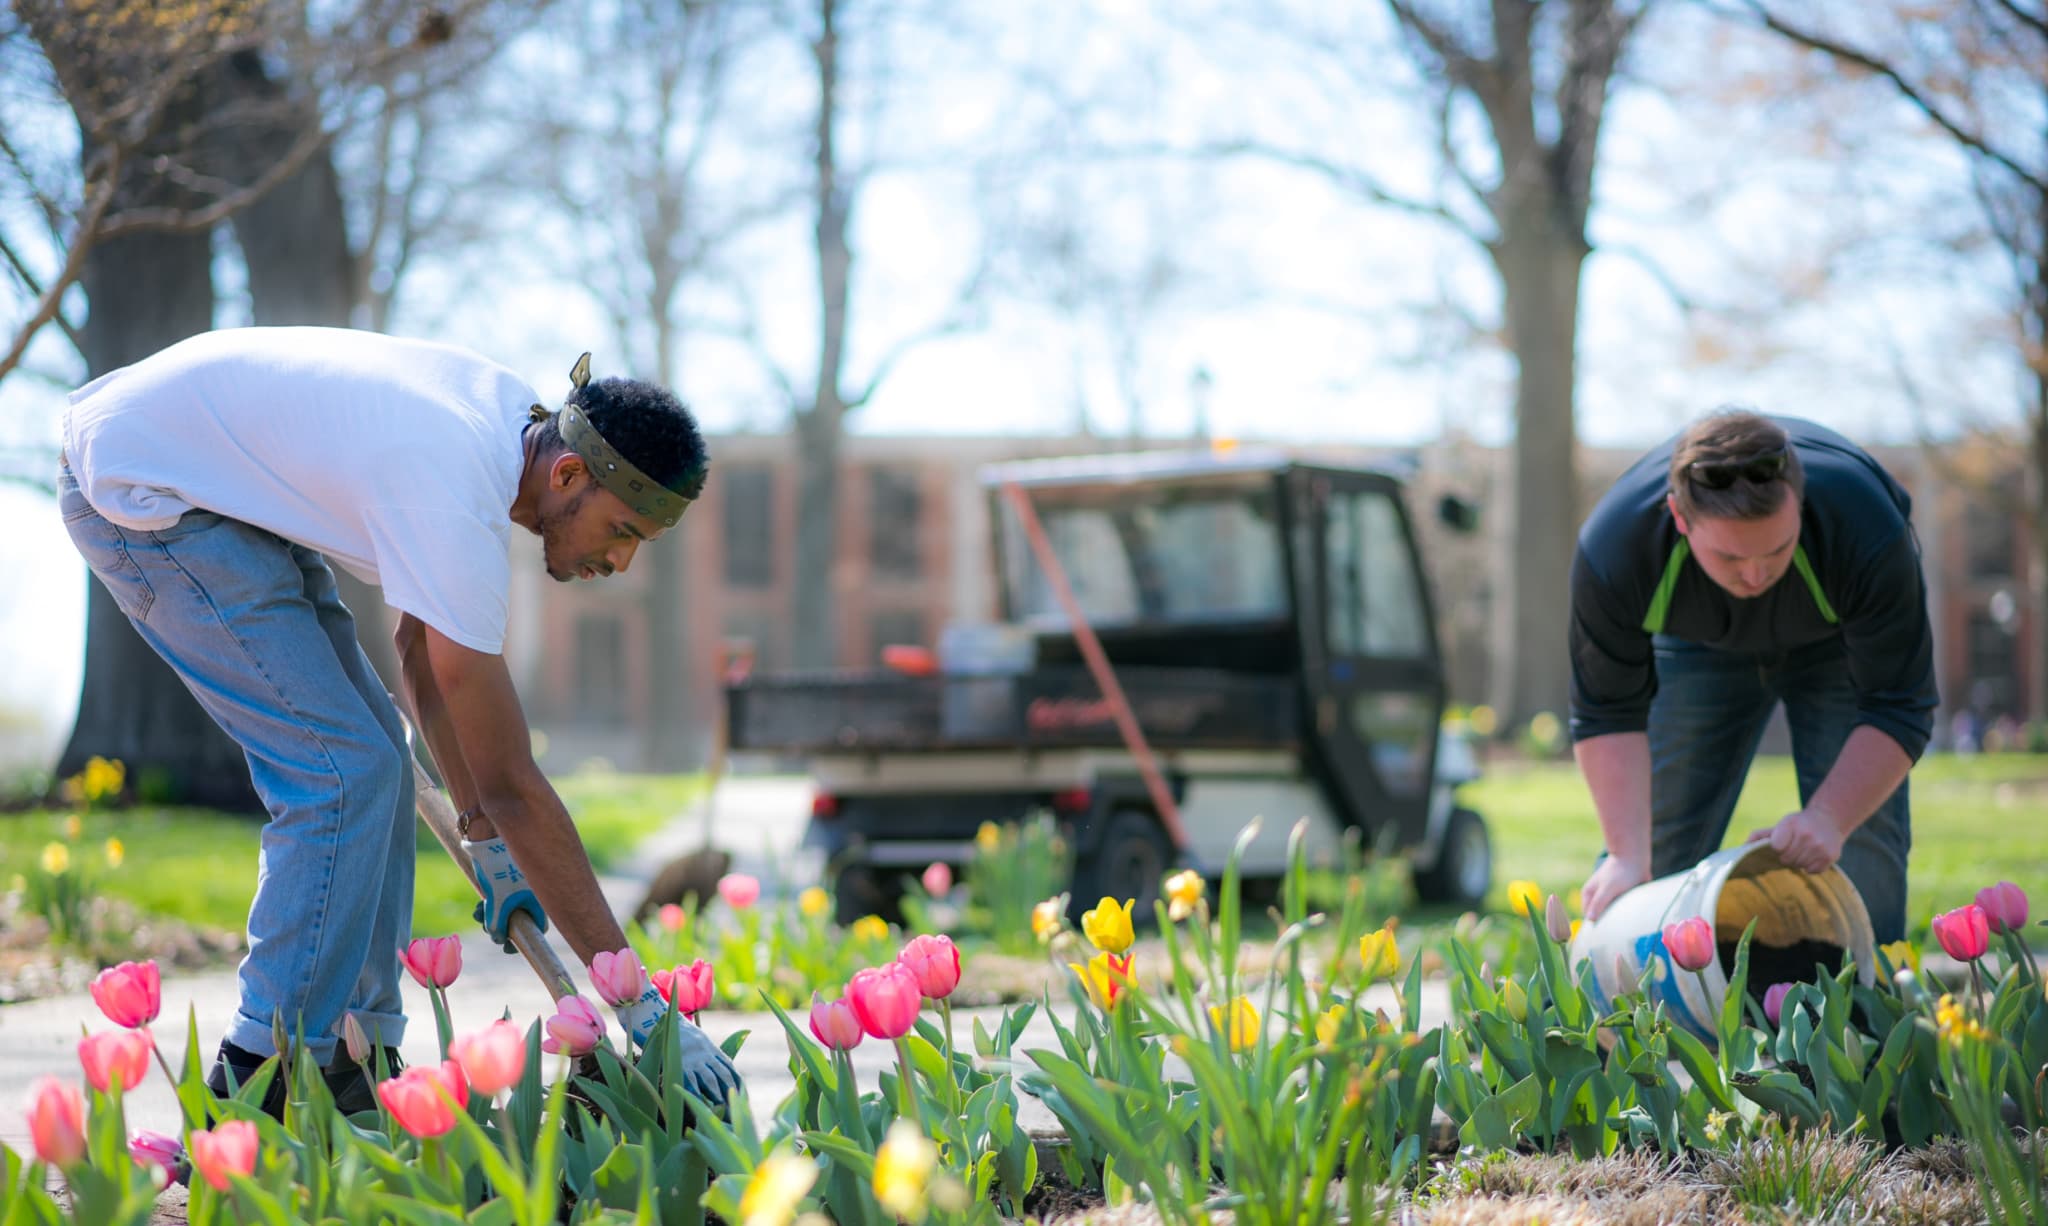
x=243 y=1064
x=351 y=1083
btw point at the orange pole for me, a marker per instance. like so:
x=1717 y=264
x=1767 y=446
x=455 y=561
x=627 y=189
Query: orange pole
x=1098 y=664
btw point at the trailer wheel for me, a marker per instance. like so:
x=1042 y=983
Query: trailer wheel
x=1463 y=871
x=861 y=890
x=1130 y=861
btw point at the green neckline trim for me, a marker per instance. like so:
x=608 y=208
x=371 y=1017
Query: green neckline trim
x=1660 y=601
x=1827 y=611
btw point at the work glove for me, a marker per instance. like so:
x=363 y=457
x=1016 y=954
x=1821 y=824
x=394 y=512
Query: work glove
x=707 y=1071
x=505 y=890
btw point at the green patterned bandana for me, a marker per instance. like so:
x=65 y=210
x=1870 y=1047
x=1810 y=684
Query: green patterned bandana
x=611 y=469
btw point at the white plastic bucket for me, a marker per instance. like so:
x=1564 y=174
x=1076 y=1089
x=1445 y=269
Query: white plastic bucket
x=1728 y=889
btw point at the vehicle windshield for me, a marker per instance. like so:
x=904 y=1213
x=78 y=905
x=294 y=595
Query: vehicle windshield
x=1153 y=553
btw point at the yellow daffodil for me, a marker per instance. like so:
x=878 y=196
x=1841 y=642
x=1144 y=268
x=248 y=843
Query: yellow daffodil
x=73 y=827
x=776 y=1189
x=1328 y=1024
x=1955 y=1023
x=1483 y=721
x=1576 y=924
x=56 y=858
x=903 y=1170
x=989 y=838
x=1515 y=1000
x=871 y=929
x=1525 y=897
x=1106 y=976
x=1108 y=925
x=1378 y=955
x=1046 y=919
x=1903 y=954
x=1242 y=1028
x=1183 y=890
x=102 y=779
x=813 y=902
x=116 y=853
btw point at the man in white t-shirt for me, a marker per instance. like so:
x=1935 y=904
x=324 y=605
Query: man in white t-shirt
x=209 y=485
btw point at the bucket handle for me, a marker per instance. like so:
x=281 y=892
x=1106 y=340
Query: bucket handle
x=1696 y=870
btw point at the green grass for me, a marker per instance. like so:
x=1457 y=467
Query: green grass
x=1976 y=820
x=200 y=866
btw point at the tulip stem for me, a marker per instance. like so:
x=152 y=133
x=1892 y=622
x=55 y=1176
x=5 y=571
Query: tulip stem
x=444 y=1026
x=910 y=1095
x=952 y=1079
x=165 y=1065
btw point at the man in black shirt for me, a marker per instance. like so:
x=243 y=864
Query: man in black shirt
x=1752 y=560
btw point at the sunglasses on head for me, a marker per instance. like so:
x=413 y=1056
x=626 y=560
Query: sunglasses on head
x=1720 y=474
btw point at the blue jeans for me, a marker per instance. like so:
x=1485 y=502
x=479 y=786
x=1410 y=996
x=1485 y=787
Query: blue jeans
x=252 y=624
x=1705 y=722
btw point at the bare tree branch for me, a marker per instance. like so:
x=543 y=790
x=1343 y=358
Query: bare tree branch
x=1347 y=178
x=29 y=282
x=48 y=305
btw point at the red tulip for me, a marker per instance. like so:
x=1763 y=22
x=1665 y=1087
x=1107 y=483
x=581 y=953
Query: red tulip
x=1690 y=943
x=493 y=1058
x=739 y=890
x=1965 y=933
x=130 y=994
x=230 y=1149
x=935 y=960
x=1774 y=1000
x=56 y=1121
x=2005 y=906
x=156 y=1149
x=938 y=879
x=885 y=999
x=115 y=1057
x=618 y=978
x=433 y=962
x=424 y=1098
x=576 y=1027
x=834 y=1023
x=688 y=986
x=672 y=917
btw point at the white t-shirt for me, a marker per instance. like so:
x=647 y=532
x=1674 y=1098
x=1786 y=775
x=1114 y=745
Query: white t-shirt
x=397 y=459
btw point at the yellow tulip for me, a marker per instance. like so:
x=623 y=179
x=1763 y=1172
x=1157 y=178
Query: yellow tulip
x=1242 y=1030
x=1576 y=924
x=989 y=838
x=776 y=1189
x=1106 y=976
x=1525 y=897
x=73 y=827
x=1903 y=954
x=1109 y=925
x=813 y=902
x=56 y=859
x=903 y=1170
x=115 y=853
x=871 y=929
x=1328 y=1024
x=1515 y=1001
x=1183 y=890
x=1046 y=919
x=1379 y=957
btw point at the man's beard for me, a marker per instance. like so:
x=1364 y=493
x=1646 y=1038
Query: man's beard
x=552 y=529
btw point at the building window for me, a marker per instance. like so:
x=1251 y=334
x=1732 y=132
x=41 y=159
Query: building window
x=600 y=670
x=748 y=506
x=1993 y=688
x=895 y=523
x=1989 y=536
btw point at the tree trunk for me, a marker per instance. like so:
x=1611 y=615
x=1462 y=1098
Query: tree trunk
x=817 y=532
x=1540 y=264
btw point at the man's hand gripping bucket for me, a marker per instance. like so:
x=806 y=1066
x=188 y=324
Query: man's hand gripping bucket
x=1728 y=889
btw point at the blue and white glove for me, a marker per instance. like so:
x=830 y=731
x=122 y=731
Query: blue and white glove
x=505 y=890
x=707 y=1071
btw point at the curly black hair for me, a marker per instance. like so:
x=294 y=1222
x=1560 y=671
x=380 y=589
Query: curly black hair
x=647 y=424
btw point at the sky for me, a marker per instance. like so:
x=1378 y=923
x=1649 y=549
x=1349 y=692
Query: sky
x=1301 y=306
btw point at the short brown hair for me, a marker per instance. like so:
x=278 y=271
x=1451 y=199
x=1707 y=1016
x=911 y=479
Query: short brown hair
x=1733 y=435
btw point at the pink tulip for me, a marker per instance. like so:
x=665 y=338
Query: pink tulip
x=672 y=917
x=575 y=1028
x=885 y=999
x=156 y=1149
x=2005 y=906
x=938 y=879
x=424 y=1098
x=1965 y=933
x=1774 y=1000
x=688 y=986
x=230 y=1149
x=834 y=1023
x=130 y=994
x=618 y=978
x=935 y=960
x=492 y=1059
x=1690 y=943
x=115 y=1057
x=433 y=962
x=354 y=1040
x=739 y=890
x=56 y=1121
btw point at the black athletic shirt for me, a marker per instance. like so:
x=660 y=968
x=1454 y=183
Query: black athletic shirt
x=1856 y=533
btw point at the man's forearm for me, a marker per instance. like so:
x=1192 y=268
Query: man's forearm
x=1616 y=768
x=1865 y=774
